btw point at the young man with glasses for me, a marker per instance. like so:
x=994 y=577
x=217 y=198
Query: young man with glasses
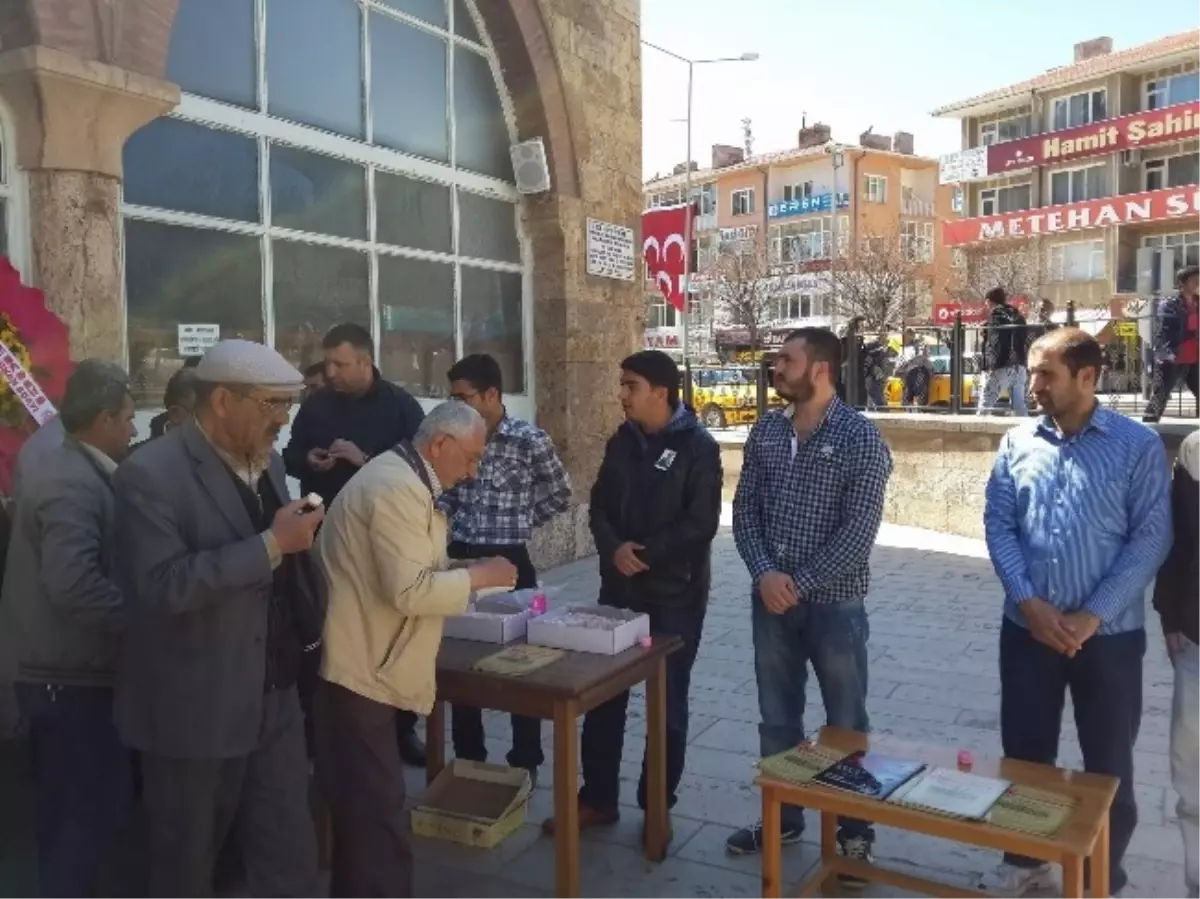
x=521 y=485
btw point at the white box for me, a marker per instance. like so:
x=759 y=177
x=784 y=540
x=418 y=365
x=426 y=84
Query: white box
x=543 y=631
x=504 y=618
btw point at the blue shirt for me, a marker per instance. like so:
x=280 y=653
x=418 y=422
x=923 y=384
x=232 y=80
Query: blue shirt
x=811 y=508
x=1083 y=521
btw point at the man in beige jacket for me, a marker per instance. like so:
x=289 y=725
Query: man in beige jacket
x=383 y=552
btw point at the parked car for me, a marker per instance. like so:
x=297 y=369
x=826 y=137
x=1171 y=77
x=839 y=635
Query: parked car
x=728 y=396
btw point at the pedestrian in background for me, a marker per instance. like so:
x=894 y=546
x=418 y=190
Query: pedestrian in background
x=63 y=620
x=1002 y=366
x=1077 y=522
x=1177 y=599
x=222 y=599
x=1176 y=344
x=655 y=508
x=521 y=485
x=805 y=516
x=314 y=379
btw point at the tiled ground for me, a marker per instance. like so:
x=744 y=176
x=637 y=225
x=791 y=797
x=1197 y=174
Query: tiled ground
x=934 y=613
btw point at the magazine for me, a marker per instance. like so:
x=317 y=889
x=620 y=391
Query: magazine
x=869 y=774
x=945 y=791
x=1030 y=810
x=800 y=764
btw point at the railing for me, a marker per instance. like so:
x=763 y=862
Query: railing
x=914 y=206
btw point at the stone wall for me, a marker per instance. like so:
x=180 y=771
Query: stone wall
x=941 y=468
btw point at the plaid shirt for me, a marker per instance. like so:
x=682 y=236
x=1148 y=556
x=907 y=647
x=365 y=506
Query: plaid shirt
x=522 y=484
x=812 y=508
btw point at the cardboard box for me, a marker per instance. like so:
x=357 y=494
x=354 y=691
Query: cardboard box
x=480 y=621
x=543 y=631
x=473 y=803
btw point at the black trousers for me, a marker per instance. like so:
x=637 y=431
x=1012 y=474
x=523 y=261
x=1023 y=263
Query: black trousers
x=84 y=782
x=604 y=727
x=466 y=722
x=259 y=802
x=1105 y=680
x=1166 y=376
x=360 y=772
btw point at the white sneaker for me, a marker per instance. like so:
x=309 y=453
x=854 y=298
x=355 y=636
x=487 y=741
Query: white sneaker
x=1013 y=880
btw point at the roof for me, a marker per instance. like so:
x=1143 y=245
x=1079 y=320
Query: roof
x=776 y=157
x=1096 y=67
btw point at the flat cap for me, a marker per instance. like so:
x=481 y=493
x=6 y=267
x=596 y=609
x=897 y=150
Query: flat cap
x=248 y=363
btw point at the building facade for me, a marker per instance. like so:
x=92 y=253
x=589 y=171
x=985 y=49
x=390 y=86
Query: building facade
x=267 y=168
x=1088 y=171
x=797 y=211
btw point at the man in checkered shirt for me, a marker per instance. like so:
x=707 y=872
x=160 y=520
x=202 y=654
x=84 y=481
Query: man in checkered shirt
x=805 y=516
x=521 y=485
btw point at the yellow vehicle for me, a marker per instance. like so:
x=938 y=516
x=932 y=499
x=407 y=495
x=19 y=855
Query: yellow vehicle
x=939 y=386
x=728 y=396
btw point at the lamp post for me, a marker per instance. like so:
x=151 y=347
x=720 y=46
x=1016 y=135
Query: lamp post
x=687 y=192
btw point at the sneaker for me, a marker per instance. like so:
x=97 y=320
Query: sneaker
x=1015 y=880
x=748 y=840
x=856 y=849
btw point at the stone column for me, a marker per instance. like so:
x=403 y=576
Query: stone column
x=71 y=120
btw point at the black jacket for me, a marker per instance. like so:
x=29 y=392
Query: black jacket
x=662 y=491
x=1004 y=342
x=374 y=422
x=1177 y=590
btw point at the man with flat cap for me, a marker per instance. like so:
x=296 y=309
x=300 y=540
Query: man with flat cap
x=221 y=601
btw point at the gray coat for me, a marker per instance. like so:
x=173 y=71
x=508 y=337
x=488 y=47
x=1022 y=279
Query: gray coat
x=62 y=609
x=198 y=581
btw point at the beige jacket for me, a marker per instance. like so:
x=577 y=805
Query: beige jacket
x=382 y=549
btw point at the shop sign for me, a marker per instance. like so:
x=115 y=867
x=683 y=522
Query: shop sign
x=660 y=340
x=972 y=313
x=1143 y=129
x=1127 y=209
x=806 y=205
x=743 y=233
x=966 y=165
x=195 y=339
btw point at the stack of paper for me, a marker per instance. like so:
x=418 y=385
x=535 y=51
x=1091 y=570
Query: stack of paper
x=945 y=791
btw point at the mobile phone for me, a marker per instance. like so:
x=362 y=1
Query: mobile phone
x=312 y=503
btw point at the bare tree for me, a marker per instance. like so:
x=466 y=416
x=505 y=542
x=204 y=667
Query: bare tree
x=876 y=280
x=745 y=297
x=1015 y=266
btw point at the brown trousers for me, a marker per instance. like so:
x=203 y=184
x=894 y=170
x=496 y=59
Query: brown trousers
x=360 y=772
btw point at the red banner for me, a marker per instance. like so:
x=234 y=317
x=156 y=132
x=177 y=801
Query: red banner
x=1143 y=129
x=665 y=251
x=1127 y=209
x=972 y=313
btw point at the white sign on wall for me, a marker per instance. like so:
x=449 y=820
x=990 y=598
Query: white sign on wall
x=610 y=251
x=966 y=165
x=195 y=339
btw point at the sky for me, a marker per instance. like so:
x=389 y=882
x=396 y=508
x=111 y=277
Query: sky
x=855 y=64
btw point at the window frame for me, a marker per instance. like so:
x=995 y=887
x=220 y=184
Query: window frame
x=1071 y=172
x=266 y=130
x=996 y=126
x=745 y=194
x=1090 y=118
x=917 y=241
x=14 y=193
x=1163 y=165
x=1151 y=85
x=1097 y=251
x=996 y=191
x=875 y=188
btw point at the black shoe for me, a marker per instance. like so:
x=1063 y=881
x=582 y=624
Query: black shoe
x=412 y=750
x=748 y=840
x=857 y=849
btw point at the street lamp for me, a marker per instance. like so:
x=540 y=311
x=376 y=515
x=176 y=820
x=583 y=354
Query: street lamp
x=687 y=190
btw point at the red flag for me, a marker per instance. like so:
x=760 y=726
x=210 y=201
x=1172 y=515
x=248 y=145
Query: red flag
x=663 y=231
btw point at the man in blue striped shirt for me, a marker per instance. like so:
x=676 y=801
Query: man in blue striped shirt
x=805 y=516
x=1078 y=520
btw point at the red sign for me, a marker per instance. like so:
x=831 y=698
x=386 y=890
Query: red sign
x=1143 y=129
x=972 y=313
x=660 y=341
x=1127 y=209
x=663 y=231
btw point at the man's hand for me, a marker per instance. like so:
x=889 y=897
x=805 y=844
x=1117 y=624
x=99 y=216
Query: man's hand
x=1083 y=625
x=491 y=573
x=347 y=451
x=778 y=592
x=1174 y=644
x=295 y=529
x=320 y=460
x=1048 y=627
x=626 y=561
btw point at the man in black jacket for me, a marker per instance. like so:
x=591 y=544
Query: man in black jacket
x=1004 y=355
x=1177 y=599
x=655 y=508
x=355 y=416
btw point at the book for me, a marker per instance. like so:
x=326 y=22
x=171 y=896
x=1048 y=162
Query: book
x=1032 y=811
x=869 y=774
x=957 y=794
x=800 y=764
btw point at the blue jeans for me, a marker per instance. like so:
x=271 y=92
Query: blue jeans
x=832 y=637
x=1185 y=758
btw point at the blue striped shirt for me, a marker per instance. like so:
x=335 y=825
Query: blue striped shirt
x=1083 y=521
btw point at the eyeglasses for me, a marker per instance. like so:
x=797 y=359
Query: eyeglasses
x=276 y=405
x=463 y=397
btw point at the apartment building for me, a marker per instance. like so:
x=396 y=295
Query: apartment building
x=793 y=210
x=1088 y=170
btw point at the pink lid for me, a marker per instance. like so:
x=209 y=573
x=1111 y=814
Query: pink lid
x=645 y=642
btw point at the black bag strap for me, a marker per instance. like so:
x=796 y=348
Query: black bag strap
x=406 y=451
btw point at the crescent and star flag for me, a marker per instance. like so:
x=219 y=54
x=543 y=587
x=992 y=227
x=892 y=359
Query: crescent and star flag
x=663 y=231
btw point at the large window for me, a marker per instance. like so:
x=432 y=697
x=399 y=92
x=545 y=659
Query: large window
x=1184 y=247
x=802 y=190
x=1174 y=171
x=294 y=188
x=999 y=200
x=876 y=188
x=807 y=240
x=1076 y=185
x=1082 y=261
x=1080 y=109
x=916 y=241
x=1008 y=129
x=742 y=201
x=1167 y=91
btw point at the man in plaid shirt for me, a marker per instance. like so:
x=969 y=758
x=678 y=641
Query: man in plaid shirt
x=521 y=485
x=805 y=516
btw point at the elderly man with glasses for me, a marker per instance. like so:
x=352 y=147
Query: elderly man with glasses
x=221 y=601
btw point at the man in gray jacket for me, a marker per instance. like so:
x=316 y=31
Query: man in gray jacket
x=64 y=615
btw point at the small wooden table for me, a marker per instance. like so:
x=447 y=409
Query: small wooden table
x=562 y=692
x=1084 y=835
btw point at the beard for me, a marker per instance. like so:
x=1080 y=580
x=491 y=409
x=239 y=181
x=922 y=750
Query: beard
x=799 y=391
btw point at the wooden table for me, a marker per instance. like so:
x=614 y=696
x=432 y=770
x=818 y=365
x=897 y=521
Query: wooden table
x=1084 y=835
x=562 y=692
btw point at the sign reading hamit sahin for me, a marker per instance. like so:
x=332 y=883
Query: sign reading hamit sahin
x=1154 y=206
